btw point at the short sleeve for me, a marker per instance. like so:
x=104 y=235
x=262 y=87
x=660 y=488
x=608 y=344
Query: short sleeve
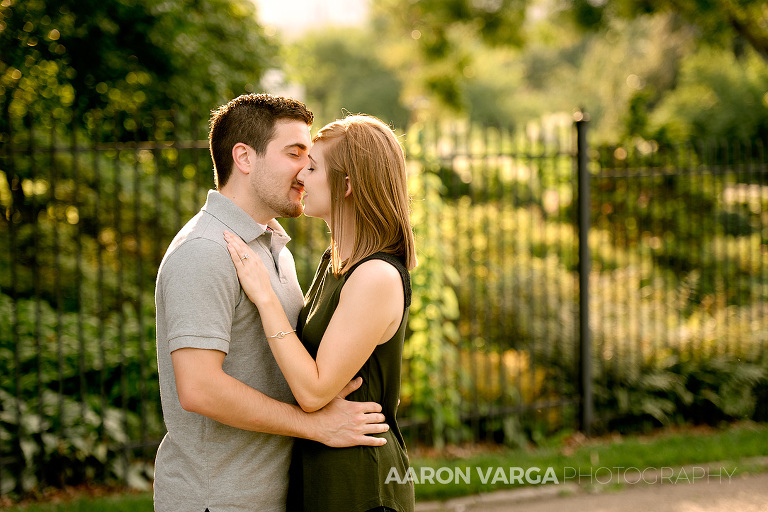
x=200 y=291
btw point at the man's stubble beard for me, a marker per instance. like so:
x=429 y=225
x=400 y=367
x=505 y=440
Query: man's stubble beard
x=280 y=206
x=285 y=208
x=295 y=211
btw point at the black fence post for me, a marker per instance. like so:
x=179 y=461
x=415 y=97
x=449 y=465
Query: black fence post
x=586 y=410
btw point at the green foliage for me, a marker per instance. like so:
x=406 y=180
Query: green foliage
x=427 y=56
x=671 y=216
x=120 y=55
x=435 y=31
x=66 y=407
x=342 y=71
x=728 y=23
x=676 y=389
x=716 y=95
x=677 y=272
x=430 y=391
x=487 y=85
x=723 y=388
x=641 y=69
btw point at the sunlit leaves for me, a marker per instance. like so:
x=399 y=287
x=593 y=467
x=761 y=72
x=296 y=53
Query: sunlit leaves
x=717 y=96
x=124 y=56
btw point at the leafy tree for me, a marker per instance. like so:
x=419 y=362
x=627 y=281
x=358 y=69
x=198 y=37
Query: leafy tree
x=121 y=55
x=504 y=22
x=437 y=39
x=430 y=36
x=717 y=96
x=732 y=23
x=112 y=59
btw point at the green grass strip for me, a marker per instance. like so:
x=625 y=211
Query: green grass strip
x=595 y=460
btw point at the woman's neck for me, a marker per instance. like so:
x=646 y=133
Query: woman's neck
x=345 y=240
x=345 y=247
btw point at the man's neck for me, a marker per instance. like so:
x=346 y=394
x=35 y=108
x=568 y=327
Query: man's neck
x=247 y=205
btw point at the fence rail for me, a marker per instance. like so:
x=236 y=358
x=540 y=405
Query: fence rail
x=561 y=286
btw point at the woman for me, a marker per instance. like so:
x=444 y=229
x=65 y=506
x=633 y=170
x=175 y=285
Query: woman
x=354 y=318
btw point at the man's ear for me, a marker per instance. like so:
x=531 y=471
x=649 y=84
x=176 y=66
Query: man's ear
x=241 y=156
x=349 y=187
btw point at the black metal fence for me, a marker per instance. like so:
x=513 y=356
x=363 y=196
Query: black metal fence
x=499 y=347
x=666 y=249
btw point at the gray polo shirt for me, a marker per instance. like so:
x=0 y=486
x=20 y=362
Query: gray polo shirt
x=202 y=463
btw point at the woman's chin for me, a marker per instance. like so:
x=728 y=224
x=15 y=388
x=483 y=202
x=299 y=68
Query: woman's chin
x=309 y=213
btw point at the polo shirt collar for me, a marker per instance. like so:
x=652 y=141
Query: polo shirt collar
x=232 y=216
x=278 y=238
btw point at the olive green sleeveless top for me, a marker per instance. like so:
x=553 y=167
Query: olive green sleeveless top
x=353 y=479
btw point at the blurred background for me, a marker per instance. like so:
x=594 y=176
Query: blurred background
x=590 y=200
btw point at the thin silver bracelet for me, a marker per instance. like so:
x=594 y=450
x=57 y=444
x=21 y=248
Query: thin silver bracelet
x=280 y=334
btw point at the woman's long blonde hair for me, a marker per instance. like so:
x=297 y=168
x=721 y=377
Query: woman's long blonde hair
x=367 y=151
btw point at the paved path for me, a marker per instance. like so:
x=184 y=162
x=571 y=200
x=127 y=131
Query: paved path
x=747 y=493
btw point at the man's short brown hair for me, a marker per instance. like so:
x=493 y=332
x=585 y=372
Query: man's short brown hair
x=249 y=119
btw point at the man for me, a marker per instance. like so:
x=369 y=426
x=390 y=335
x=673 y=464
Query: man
x=223 y=395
